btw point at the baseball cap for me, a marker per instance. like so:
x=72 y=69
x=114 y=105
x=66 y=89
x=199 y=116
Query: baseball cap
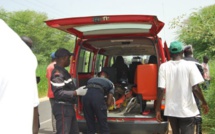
x=62 y=52
x=176 y=47
x=53 y=55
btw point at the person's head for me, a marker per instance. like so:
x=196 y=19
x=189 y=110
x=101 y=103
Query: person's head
x=176 y=49
x=119 y=59
x=27 y=41
x=62 y=56
x=152 y=59
x=205 y=59
x=103 y=74
x=53 y=56
x=188 y=51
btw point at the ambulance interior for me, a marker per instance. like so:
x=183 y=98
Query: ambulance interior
x=135 y=95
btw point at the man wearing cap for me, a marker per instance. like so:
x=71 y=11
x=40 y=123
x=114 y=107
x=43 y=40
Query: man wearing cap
x=94 y=104
x=180 y=80
x=50 y=93
x=65 y=94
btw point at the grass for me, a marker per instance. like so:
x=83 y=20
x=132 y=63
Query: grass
x=43 y=85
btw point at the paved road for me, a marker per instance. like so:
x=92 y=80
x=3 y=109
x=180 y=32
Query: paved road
x=45 y=117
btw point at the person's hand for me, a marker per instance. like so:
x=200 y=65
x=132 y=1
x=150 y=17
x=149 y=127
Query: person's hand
x=205 y=108
x=158 y=116
x=81 y=91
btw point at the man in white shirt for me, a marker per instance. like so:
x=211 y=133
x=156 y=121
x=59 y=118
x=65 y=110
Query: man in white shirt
x=180 y=78
x=36 y=123
x=18 y=87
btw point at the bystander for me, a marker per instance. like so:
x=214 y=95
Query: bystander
x=36 y=121
x=206 y=72
x=18 y=87
x=180 y=80
x=50 y=93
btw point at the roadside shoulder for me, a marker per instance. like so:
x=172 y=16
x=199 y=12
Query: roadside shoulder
x=43 y=99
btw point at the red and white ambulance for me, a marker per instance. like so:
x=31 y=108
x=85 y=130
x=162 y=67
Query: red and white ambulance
x=99 y=40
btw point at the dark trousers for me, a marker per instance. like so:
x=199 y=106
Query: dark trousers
x=198 y=118
x=52 y=101
x=182 y=125
x=94 y=105
x=66 y=121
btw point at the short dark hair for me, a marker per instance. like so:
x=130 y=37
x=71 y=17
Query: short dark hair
x=188 y=51
x=27 y=41
x=62 y=52
x=100 y=73
x=205 y=57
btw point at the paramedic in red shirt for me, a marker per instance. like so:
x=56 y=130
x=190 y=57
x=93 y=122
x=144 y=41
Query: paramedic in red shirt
x=50 y=93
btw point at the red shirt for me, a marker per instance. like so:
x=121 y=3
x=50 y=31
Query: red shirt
x=48 y=76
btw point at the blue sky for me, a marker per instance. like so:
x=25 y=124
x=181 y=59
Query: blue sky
x=165 y=10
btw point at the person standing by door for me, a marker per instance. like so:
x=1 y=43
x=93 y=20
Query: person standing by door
x=65 y=93
x=50 y=94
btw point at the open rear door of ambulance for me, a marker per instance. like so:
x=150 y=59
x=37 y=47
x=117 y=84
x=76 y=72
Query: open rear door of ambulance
x=108 y=26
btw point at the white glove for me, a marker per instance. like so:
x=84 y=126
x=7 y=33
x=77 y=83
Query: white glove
x=81 y=91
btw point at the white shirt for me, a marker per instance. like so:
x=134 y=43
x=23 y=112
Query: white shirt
x=178 y=77
x=18 y=88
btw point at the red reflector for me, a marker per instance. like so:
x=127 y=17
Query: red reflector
x=55 y=25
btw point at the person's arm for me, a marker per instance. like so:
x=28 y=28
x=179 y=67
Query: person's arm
x=160 y=95
x=110 y=94
x=36 y=121
x=57 y=82
x=195 y=79
x=160 y=91
x=198 y=93
x=58 y=85
x=109 y=99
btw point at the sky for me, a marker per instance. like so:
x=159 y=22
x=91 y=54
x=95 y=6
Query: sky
x=165 y=10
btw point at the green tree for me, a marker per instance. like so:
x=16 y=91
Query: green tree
x=46 y=40
x=199 y=30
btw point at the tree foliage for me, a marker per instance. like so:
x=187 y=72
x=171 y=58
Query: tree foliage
x=46 y=40
x=198 y=30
